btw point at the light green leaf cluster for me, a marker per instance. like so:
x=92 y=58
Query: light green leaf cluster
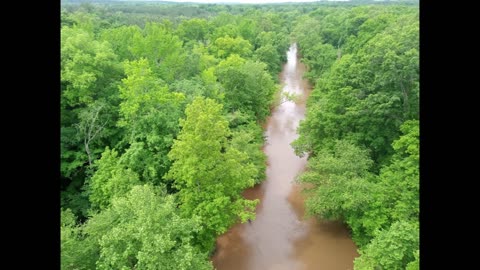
x=142 y=230
x=223 y=47
x=209 y=173
x=110 y=180
x=390 y=249
x=149 y=113
x=77 y=251
x=83 y=64
x=162 y=49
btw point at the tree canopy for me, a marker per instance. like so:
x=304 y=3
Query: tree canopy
x=162 y=108
x=209 y=172
x=361 y=129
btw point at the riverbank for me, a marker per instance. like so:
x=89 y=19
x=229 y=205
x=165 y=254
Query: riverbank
x=280 y=237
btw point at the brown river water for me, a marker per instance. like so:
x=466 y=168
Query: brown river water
x=281 y=238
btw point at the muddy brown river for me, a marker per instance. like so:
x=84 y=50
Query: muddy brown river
x=281 y=237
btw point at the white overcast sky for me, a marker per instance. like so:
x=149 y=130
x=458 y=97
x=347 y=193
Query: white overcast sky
x=243 y=1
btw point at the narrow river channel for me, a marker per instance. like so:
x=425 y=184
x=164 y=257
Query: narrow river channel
x=280 y=237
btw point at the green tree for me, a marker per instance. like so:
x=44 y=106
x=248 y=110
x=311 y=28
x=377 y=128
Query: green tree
x=223 y=47
x=162 y=49
x=319 y=59
x=340 y=188
x=143 y=230
x=213 y=89
x=86 y=18
x=397 y=186
x=307 y=33
x=269 y=55
x=247 y=28
x=111 y=179
x=279 y=40
x=206 y=60
x=89 y=96
x=367 y=95
x=391 y=249
x=193 y=29
x=122 y=40
x=247 y=136
x=89 y=73
x=344 y=188
x=248 y=86
x=149 y=113
x=414 y=265
x=76 y=251
x=209 y=173
x=86 y=67
x=225 y=30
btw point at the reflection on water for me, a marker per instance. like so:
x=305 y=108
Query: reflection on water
x=280 y=237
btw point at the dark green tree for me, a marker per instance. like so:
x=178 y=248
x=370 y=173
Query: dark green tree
x=248 y=86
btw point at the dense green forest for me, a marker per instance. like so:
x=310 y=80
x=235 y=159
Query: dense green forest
x=162 y=107
x=362 y=127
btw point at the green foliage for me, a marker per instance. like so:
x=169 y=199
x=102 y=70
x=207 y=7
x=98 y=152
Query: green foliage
x=248 y=136
x=391 y=249
x=86 y=19
x=142 y=89
x=367 y=95
x=77 y=252
x=248 y=29
x=339 y=177
x=398 y=194
x=144 y=231
x=130 y=72
x=73 y=155
x=279 y=40
x=226 y=46
x=150 y=114
x=364 y=62
x=269 y=55
x=122 y=40
x=86 y=65
x=190 y=88
x=319 y=59
x=402 y=176
x=89 y=76
x=344 y=188
x=111 y=179
x=209 y=173
x=248 y=86
x=193 y=29
x=75 y=199
x=91 y=127
x=213 y=87
x=165 y=65
x=307 y=33
x=414 y=265
x=162 y=49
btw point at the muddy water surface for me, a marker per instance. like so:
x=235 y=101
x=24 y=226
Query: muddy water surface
x=280 y=237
